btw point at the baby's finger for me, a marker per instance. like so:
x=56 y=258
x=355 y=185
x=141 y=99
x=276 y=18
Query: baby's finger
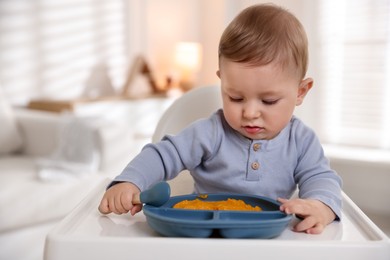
x=305 y=224
x=118 y=205
x=112 y=205
x=283 y=204
x=136 y=208
x=282 y=200
x=103 y=207
x=317 y=229
x=296 y=207
x=126 y=202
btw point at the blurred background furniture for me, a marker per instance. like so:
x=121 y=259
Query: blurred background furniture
x=39 y=185
x=27 y=198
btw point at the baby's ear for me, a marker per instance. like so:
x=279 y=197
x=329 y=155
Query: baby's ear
x=218 y=74
x=303 y=89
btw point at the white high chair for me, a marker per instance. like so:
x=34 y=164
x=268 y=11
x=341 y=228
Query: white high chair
x=195 y=104
x=84 y=234
x=198 y=103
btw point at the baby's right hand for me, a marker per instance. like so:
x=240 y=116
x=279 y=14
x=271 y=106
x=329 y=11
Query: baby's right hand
x=119 y=199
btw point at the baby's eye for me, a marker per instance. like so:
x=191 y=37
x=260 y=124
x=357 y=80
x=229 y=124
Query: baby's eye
x=236 y=99
x=270 y=102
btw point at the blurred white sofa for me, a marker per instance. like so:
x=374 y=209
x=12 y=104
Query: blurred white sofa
x=27 y=136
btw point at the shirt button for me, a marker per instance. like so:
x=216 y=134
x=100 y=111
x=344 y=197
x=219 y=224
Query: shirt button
x=256 y=147
x=255 y=165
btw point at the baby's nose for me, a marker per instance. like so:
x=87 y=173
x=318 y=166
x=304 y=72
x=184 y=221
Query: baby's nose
x=251 y=111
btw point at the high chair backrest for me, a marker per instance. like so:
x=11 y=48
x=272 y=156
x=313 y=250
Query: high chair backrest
x=197 y=103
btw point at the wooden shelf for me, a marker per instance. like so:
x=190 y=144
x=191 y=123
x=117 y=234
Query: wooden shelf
x=70 y=105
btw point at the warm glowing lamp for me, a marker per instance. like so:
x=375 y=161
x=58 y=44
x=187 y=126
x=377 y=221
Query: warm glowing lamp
x=188 y=58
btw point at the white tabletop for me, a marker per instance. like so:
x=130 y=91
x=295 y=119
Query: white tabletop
x=86 y=234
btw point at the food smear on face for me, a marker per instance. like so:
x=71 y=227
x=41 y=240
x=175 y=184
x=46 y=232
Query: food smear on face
x=229 y=204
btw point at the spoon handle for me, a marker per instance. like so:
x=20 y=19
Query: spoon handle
x=155 y=196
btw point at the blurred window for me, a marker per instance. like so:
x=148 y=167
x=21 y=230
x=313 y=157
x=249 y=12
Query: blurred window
x=49 y=47
x=354 y=70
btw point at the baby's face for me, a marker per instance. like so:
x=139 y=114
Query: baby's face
x=258 y=102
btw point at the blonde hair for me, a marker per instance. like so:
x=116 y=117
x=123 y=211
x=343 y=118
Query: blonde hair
x=262 y=34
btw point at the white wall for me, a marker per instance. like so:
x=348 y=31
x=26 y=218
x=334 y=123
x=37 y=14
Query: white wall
x=366 y=183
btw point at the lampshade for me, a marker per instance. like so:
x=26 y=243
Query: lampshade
x=188 y=59
x=187 y=55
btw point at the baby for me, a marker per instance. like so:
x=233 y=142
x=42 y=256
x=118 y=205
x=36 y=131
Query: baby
x=254 y=145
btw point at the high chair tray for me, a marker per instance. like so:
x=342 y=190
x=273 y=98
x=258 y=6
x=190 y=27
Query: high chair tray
x=267 y=223
x=86 y=234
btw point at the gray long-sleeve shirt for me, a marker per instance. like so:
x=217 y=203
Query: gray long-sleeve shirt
x=221 y=160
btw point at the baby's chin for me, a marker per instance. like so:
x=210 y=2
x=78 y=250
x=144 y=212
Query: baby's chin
x=254 y=136
x=264 y=135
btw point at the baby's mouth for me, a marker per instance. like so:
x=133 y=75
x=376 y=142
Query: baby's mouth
x=253 y=129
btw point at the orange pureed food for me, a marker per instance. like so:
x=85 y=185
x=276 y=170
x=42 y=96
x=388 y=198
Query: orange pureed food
x=229 y=204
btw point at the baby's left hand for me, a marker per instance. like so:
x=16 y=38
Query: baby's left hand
x=316 y=215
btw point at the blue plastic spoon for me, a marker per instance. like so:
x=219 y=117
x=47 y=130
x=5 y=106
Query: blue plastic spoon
x=156 y=196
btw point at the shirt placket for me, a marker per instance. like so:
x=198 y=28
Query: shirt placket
x=254 y=164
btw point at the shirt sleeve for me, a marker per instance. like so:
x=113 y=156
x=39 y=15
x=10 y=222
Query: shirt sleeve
x=173 y=154
x=315 y=178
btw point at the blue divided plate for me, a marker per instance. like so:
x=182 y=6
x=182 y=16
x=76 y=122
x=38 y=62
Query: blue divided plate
x=268 y=223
